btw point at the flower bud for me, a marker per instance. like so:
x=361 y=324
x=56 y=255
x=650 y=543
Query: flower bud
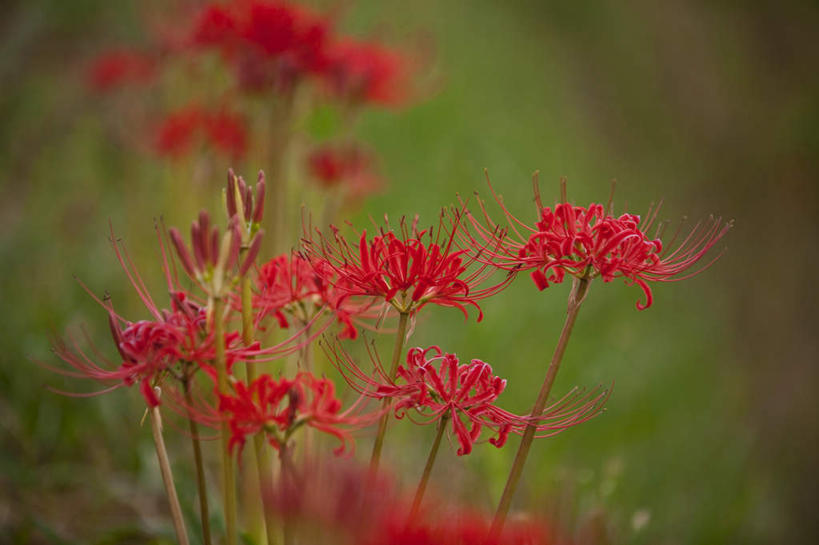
x=230 y=194
x=182 y=251
x=252 y=252
x=258 y=211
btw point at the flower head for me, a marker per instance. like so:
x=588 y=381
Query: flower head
x=149 y=350
x=367 y=72
x=348 y=167
x=408 y=268
x=289 y=286
x=222 y=130
x=119 y=67
x=269 y=44
x=434 y=385
x=279 y=407
x=587 y=242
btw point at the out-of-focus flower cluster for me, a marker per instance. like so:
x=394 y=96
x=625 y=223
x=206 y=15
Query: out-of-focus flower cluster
x=239 y=77
x=341 y=503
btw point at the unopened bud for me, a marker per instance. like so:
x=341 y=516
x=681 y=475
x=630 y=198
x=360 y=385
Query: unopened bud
x=214 y=246
x=248 y=202
x=204 y=231
x=230 y=194
x=252 y=252
x=182 y=251
x=258 y=210
x=235 y=244
x=199 y=247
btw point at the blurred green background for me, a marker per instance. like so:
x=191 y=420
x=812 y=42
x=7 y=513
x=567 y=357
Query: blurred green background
x=711 y=433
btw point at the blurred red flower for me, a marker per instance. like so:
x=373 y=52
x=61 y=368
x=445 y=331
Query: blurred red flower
x=221 y=130
x=367 y=72
x=119 y=67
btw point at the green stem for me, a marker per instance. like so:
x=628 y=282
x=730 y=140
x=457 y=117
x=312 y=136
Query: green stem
x=204 y=512
x=167 y=477
x=228 y=473
x=287 y=477
x=307 y=358
x=263 y=461
x=579 y=290
x=433 y=453
x=385 y=405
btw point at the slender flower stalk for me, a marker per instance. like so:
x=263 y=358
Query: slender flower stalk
x=288 y=478
x=578 y=294
x=400 y=334
x=262 y=457
x=167 y=475
x=201 y=484
x=433 y=453
x=228 y=474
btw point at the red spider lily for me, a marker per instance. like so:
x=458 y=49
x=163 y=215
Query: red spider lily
x=214 y=25
x=349 y=503
x=269 y=44
x=465 y=394
x=290 y=285
x=149 y=349
x=590 y=241
x=457 y=526
x=180 y=130
x=226 y=132
x=279 y=407
x=367 y=72
x=119 y=67
x=407 y=269
x=350 y=166
x=177 y=133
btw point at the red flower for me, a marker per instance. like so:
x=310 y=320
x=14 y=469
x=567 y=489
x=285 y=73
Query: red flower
x=407 y=269
x=590 y=242
x=463 y=393
x=176 y=134
x=150 y=350
x=269 y=44
x=226 y=132
x=279 y=407
x=290 y=286
x=350 y=166
x=367 y=72
x=215 y=25
x=222 y=130
x=119 y=67
x=351 y=504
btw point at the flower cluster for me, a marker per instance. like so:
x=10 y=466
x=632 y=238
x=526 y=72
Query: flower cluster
x=279 y=407
x=269 y=49
x=408 y=268
x=587 y=242
x=323 y=502
x=435 y=386
x=151 y=349
x=347 y=166
x=269 y=45
x=289 y=286
x=221 y=130
x=329 y=281
x=274 y=45
x=119 y=67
